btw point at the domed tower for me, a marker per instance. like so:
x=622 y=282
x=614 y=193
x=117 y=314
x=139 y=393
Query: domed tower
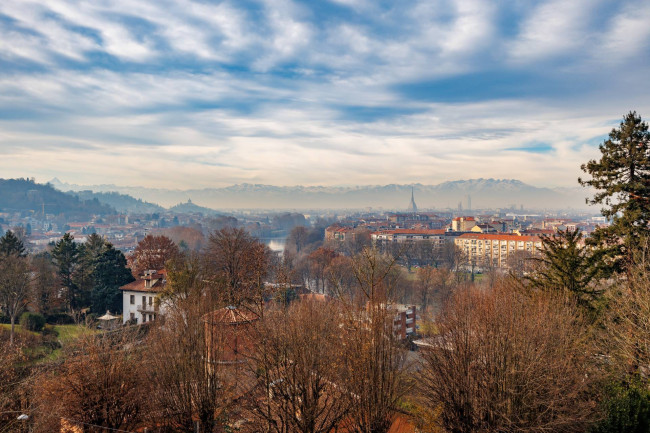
x=230 y=334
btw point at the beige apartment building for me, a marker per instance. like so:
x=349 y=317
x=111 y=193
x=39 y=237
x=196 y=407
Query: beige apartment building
x=486 y=249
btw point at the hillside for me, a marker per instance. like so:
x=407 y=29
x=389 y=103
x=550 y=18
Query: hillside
x=25 y=195
x=189 y=207
x=123 y=203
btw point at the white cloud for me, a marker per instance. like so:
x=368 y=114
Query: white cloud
x=554 y=28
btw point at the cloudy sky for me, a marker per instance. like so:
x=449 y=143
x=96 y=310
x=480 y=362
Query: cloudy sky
x=187 y=94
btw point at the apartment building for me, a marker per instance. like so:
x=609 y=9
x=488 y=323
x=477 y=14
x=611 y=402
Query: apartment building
x=486 y=249
x=385 y=237
x=405 y=322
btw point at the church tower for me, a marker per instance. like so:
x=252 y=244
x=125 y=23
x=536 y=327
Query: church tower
x=412 y=207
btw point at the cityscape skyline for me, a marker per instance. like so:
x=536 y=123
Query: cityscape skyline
x=188 y=94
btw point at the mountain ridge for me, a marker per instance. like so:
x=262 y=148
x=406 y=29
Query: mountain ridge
x=484 y=193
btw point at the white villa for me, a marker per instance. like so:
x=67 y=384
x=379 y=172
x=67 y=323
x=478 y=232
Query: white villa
x=139 y=297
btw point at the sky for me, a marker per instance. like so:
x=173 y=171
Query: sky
x=193 y=94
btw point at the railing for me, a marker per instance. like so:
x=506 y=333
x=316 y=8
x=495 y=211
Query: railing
x=153 y=308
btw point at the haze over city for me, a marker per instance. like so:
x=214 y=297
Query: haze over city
x=180 y=94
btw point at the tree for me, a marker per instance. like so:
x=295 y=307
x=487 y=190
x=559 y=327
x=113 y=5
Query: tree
x=319 y=260
x=88 y=254
x=298 y=363
x=10 y=244
x=237 y=263
x=629 y=322
x=506 y=362
x=65 y=255
x=297 y=238
x=12 y=376
x=432 y=283
x=373 y=357
x=621 y=179
x=45 y=284
x=189 y=382
x=566 y=263
x=109 y=274
x=152 y=253
x=100 y=382
x=14 y=287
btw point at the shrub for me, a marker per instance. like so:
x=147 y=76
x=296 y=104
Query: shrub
x=59 y=319
x=32 y=322
x=627 y=410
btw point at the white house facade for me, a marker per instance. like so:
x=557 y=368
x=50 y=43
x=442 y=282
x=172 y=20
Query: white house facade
x=139 y=303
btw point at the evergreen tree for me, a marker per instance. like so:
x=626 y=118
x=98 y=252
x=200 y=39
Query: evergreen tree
x=10 y=244
x=89 y=253
x=65 y=256
x=110 y=273
x=621 y=179
x=566 y=263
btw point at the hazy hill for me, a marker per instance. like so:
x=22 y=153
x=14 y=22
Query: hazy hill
x=189 y=207
x=24 y=195
x=123 y=203
x=484 y=193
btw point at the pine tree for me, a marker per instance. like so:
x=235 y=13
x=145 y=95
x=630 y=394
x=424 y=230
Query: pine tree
x=566 y=263
x=89 y=253
x=10 y=244
x=65 y=255
x=621 y=179
x=109 y=274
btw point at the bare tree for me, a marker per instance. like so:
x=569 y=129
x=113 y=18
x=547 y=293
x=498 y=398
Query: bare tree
x=12 y=377
x=237 y=263
x=100 y=383
x=629 y=316
x=14 y=287
x=507 y=362
x=433 y=284
x=319 y=260
x=374 y=358
x=189 y=382
x=298 y=362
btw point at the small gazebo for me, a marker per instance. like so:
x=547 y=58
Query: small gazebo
x=108 y=321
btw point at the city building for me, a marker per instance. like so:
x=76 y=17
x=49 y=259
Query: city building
x=405 y=322
x=486 y=249
x=385 y=237
x=463 y=224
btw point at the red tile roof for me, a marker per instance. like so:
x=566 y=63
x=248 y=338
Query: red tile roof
x=139 y=284
x=231 y=316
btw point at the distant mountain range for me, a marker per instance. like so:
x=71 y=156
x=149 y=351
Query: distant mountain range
x=483 y=193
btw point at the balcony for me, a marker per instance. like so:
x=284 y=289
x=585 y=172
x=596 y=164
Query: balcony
x=148 y=308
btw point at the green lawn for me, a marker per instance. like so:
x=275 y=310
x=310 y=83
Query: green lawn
x=45 y=349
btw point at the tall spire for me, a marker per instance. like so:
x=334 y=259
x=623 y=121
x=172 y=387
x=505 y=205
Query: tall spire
x=412 y=206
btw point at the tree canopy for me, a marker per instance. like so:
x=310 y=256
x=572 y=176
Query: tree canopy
x=621 y=178
x=10 y=244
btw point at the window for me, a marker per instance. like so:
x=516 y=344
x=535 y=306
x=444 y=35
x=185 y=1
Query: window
x=144 y=318
x=132 y=299
x=150 y=300
x=132 y=316
x=144 y=301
